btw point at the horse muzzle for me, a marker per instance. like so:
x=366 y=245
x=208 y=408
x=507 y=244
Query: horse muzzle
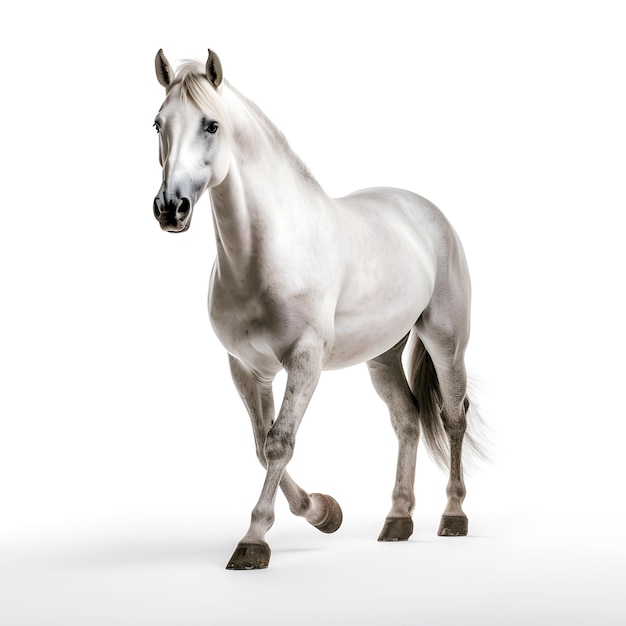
x=174 y=215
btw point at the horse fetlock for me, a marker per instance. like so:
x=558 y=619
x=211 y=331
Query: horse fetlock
x=301 y=506
x=456 y=491
x=403 y=499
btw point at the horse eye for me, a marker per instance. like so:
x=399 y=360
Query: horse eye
x=157 y=127
x=212 y=127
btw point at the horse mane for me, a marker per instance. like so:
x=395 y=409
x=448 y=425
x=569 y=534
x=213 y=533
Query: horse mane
x=191 y=76
x=274 y=132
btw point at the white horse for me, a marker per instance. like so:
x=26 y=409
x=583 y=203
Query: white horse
x=304 y=282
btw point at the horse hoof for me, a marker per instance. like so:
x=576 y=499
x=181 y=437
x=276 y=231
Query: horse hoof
x=250 y=556
x=453 y=526
x=334 y=516
x=396 y=529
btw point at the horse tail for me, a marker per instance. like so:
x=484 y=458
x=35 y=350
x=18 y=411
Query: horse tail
x=424 y=386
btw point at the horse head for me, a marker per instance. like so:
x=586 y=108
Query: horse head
x=193 y=144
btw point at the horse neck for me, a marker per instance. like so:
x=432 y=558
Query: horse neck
x=252 y=204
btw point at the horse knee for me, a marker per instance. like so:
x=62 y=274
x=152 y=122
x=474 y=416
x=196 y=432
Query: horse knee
x=279 y=446
x=406 y=426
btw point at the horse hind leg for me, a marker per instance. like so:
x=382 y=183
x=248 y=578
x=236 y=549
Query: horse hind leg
x=390 y=383
x=445 y=349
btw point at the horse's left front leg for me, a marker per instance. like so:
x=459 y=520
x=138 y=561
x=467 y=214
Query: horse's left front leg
x=303 y=366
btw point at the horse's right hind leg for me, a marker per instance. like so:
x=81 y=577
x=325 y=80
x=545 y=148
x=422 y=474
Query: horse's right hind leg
x=444 y=336
x=390 y=383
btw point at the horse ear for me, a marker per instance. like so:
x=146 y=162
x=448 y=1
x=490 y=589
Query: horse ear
x=164 y=71
x=214 y=69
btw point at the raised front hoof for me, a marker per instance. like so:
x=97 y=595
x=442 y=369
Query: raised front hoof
x=333 y=518
x=396 y=529
x=453 y=526
x=250 y=556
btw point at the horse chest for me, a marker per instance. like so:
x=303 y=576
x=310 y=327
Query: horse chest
x=255 y=327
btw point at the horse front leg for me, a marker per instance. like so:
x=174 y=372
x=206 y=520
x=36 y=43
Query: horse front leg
x=258 y=399
x=303 y=366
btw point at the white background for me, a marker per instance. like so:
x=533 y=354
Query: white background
x=127 y=468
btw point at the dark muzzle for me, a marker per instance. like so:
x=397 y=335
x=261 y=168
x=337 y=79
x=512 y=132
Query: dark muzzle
x=174 y=216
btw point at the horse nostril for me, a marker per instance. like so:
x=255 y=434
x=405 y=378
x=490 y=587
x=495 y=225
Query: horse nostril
x=156 y=207
x=183 y=208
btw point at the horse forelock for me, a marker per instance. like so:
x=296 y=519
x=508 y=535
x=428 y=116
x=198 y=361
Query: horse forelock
x=195 y=87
